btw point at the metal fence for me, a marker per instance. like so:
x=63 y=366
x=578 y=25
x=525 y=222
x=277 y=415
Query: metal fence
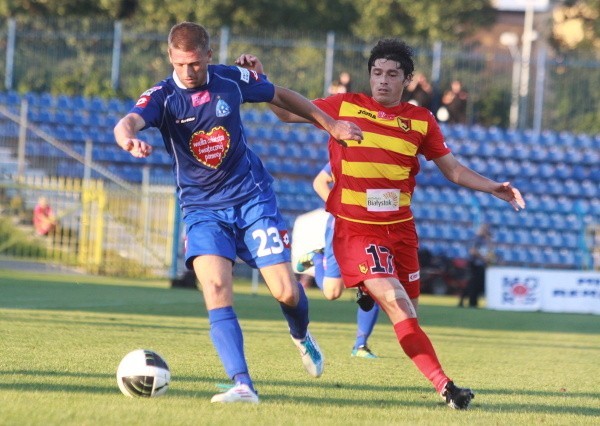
x=104 y=224
x=91 y=57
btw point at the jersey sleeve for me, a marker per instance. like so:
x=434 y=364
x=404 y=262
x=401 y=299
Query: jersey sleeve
x=254 y=86
x=150 y=105
x=434 y=145
x=330 y=105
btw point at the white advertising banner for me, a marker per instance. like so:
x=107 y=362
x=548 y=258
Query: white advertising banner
x=521 y=289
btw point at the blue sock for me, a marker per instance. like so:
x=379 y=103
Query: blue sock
x=365 y=322
x=245 y=379
x=227 y=338
x=297 y=316
x=319 y=269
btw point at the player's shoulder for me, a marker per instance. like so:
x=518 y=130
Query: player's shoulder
x=234 y=73
x=417 y=111
x=162 y=88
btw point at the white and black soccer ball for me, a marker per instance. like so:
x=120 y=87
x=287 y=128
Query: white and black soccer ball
x=143 y=373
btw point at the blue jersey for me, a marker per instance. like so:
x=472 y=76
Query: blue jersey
x=203 y=133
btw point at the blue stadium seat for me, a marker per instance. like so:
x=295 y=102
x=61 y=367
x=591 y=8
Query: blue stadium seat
x=97 y=104
x=268 y=117
x=10 y=98
x=581 y=172
x=250 y=115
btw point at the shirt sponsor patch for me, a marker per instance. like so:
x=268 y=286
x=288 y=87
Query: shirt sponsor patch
x=385 y=115
x=200 y=98
x=414 y=276
x=210 y=148
x=145 y=97
x=383 y=200
x=285 y=238
x=244 y=74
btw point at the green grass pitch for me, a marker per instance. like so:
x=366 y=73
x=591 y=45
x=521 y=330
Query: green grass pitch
x=62 y=337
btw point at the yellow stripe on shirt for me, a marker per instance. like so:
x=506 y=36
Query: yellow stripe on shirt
x=375 y=170
x=348 y=109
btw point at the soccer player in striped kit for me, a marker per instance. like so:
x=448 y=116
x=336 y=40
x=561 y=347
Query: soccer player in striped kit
x=375 y=240
x=225 y=192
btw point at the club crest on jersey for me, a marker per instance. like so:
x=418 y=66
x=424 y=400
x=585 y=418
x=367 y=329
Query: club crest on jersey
x=223 y=110
x=404 y=124
x=210 y=148
x=363 y=268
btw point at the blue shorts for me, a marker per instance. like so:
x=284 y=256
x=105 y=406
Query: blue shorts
x=330 y=265
x=254 y=231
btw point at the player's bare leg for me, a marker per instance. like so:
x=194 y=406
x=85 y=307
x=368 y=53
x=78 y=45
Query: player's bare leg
x=393 y=299
x=294 y=305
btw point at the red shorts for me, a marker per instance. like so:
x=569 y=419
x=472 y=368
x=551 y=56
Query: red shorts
x=366 y=251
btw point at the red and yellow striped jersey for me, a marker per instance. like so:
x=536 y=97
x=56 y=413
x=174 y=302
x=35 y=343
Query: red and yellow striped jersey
x=374 y=179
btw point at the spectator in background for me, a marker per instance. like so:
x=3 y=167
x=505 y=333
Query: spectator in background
x=454 y=101
x=44 y=221
x=481 y=254
x=335 y=87
x=342 y=85
x=346 y=81
x=419 y=92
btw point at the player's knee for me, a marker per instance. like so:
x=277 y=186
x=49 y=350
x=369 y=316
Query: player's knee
x=333 y=289
x=397 y=298
x=286 y=295
x=332 y=294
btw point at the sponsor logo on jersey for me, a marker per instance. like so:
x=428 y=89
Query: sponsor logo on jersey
x=200 y=98
x=367 y=113
x=185 y=120
x=414 y=276
x=383 y=200
x=223 y=110
x=142 y=101
x=404 y=124
x=210 y=148
x=285 y=237
x=145 y=97
x=244 y=74
x=385 y=115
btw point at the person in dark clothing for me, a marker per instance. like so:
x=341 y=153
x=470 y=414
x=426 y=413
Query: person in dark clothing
x=481 y=254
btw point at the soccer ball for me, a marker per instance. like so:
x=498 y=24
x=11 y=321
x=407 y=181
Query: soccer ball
x=143 y=373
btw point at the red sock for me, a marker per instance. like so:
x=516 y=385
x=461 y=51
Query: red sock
x=418 y=347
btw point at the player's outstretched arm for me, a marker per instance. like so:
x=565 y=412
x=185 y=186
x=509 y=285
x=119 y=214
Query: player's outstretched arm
x=252 y=62
x=294 y=102
x=461 y=175
x=291 y=107
x=125 y=134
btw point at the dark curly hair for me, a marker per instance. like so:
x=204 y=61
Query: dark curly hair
x=394 y=50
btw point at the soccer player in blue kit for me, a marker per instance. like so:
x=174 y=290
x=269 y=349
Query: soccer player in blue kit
x=225 y=192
